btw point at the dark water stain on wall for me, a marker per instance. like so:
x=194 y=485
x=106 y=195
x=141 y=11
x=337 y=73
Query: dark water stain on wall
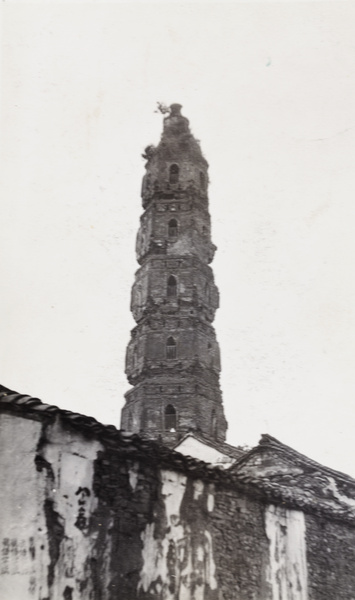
x=55 y=532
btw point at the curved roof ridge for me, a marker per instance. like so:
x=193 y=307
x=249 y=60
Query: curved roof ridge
x=268 y=441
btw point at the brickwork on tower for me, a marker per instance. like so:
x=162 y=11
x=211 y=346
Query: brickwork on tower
x=173 y=359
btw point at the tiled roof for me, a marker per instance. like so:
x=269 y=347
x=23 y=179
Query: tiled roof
x=235 y=452
x=136 y=447
x=21 y=404
x=267 y=442
x=15 y=402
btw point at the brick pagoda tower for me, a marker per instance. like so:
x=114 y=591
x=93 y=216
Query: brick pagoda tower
x=173 y=360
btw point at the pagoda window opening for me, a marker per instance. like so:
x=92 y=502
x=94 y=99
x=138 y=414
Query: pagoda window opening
x=172 y=287
x=207 y=292
x=172 y=229
x=202 y=181
x=130 y=421
x=144 y=419
x=147 y=180
x=170 y=348
x=170 y=418
x=214 y=424
x=174 y=174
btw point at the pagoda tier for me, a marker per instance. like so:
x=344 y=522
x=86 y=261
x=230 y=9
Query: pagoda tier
x=173 y=358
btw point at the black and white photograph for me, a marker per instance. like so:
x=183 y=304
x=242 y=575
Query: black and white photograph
x=177 y=390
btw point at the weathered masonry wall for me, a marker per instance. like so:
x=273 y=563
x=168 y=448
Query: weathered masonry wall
x=88 y=513
x=328 y=544
x=47 y=506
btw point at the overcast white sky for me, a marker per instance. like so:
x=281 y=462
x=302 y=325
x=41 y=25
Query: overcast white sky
x=269 y=89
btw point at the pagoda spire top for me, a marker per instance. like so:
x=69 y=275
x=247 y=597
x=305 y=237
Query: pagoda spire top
x=175 y=110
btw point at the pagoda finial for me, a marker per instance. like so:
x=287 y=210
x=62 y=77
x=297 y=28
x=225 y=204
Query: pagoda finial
x=175 y=110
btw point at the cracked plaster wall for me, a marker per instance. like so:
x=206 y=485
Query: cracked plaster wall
x=24 y=544
x=180 y=563
x=287 y=569
x=83 y=519
x=47 y=503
